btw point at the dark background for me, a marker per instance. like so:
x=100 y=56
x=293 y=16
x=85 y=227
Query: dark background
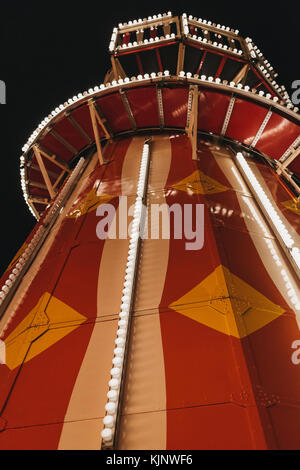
x=52 y=50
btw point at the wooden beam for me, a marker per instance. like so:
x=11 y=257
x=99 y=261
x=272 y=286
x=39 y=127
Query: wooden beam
x=240 y=75
x=78 y=128
x=128 y=109
x=43 y=171
x=30 y=202
x=147 y=24
x=39 y=200
x=63 y=141
x=35 y=184
x=114 y=68
x=58 y=179
x=288 y=160
x=180 y=59
x=120 y=69
x=117 y=69
x=95 y=130
x=52 y=158
x=193 y=121
x=167 y=28
x=102 y=122
x=109 y=77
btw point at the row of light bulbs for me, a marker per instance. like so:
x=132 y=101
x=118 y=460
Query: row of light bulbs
x=145 y=20
x=93 y=91
x=271 y=210
x=96 y=89
x=23 y=261
x=209 y=23
x=157 y=39
x=215 y=44
x=23 y=184
x=268 y=71
x=111 y=407
x=271 y=245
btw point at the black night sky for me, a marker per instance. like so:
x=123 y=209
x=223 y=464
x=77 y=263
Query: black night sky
x=51 y=50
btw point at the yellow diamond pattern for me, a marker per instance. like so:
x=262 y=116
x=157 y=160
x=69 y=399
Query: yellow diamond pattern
x=227 y=304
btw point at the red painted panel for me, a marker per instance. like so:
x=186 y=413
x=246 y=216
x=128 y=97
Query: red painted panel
x=175 y=104
x=114 y=111
x=82 y=116
x=278 y=135
x=144 y=106
x=66 y=129
x=52 y=144
x=246 y=119
x=212 y=109
x=295 y=166
x=212 y=428
x=234 y=400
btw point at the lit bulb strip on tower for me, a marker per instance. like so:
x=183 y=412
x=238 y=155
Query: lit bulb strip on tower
x=271 y=213
x=113 y=406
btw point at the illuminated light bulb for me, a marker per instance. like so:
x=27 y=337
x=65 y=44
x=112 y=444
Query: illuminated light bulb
x=115 y=372
x=121 y=332
x=120 y=341
x=110 y=407
x=119 y=352
x=114 y=384
x=117 y=361
x=123 y=314
x=108 y=421
x=106 y=434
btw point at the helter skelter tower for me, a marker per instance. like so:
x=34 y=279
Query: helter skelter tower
x=134 y=343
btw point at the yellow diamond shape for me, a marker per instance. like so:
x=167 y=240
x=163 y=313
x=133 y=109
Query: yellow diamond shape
x=89 y=203
x=227 y=304
x=48 y=322
x=199 y=183
x=292 y=206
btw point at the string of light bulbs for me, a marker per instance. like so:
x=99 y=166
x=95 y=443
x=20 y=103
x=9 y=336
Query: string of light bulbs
x=112 y=407
x=271 y=213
